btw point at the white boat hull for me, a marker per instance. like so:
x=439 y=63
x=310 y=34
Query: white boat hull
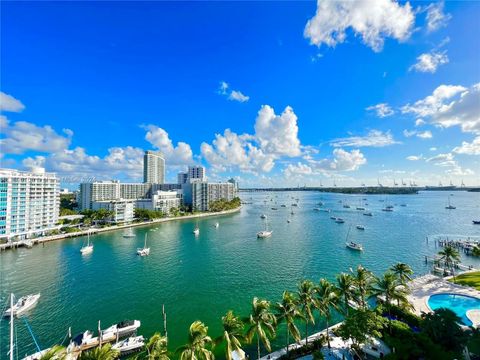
x=264 y=234
x=23 y=305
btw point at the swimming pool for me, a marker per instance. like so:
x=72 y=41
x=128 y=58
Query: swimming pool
x=459 y=304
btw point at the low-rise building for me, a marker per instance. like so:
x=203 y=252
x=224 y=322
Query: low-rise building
x=29 y=203
x=162 y=201
x=123 y=209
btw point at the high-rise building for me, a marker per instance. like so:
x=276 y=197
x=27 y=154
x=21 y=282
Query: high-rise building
x=153 y=168
x=182 y=178
x=135 y=190
x=98 y=191
x=197 y=172
x=199 y=194
x=29 y=203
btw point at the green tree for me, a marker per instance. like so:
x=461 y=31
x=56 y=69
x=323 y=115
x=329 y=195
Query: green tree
x=157 y=347
x=389 y=287
x=261 y=323
x=359 y=325
x=56 y=352
x=476 y=251
x=346 y=290
x=104 y=352
x=287 y=310
x=306 y=293
x=198 y=340
x=450 y=256
x=442 y=327
x=326 y=300
x=362 y=279
x=232 y=334
x=403 y=271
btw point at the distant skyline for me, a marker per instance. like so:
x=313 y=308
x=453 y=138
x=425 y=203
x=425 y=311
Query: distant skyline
x=271 y=93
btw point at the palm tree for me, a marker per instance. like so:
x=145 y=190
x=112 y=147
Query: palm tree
x=196 y=348
x=389 y=286
x=287 y=310
x=55 y=352
x=345 y=289
x=306 y=292
x=403 y=271
x=157 y=347
x=262 y=323
x=327 y=299
x=362 y=280
x=449 y=255
x=104 y=352
x=232 y=334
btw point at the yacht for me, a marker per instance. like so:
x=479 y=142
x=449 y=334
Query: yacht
x=368 y=213
x=264 y=233
x=354 y=246
x=145 y=251
x=316 y=209
x=388 y=209
x=122 y=329
x=360 y=227
x=339 y=220
x=196 y=231
x=128 y=233
x=28 y=244
x=360 y=208
x=476 y=222
x=325 y=210
x=450 y=206
x=87 y=249
x=22 y=305
x=129 y=345
x=346 y=206
x=82 y=341
x=333 y=217
x=263 y=216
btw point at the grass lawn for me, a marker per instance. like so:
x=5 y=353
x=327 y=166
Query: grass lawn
x=471 y=279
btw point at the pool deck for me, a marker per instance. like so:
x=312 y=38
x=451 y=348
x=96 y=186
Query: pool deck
x=423 y=287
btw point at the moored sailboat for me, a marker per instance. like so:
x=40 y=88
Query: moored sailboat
x=145 y=250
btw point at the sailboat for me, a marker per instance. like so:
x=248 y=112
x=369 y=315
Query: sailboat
x=264 y=233
x=145 y=250
x=196 y=231
x=216 y=225
x=450 y=206
x=128 y=233
x=352 y=245
x=87 y=249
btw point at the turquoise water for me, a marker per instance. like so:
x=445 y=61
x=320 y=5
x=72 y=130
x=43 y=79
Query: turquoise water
x=459 y=304
x=200 y=278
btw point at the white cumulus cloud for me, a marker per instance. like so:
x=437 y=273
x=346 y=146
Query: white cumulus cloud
x=373 y=21
x=9 y=103
x=429 y=62
x=174 y=155
x=436 y=18
x=234 y=95
x=374 y=138
x=382 y=110
x=472 y=148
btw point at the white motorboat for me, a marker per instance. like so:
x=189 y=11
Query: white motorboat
x=354 y=246
x=263 y=216
x=23 y=304
x=346 y=206
x=129 y=233
x=122 y=329
x=339 y=220
x=196 y=231
x=129 y=345
x=37 y=356
x=83 y=340
x=360 y=227
x=88 y=248
x=368 y=213
x=387 y=209
x=145 y=251
x=360 y=208
x=28 y=244
x=325 y=210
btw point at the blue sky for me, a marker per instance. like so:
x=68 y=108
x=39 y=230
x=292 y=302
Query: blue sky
x=272 y=92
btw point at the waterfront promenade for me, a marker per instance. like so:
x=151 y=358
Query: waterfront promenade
x=94 y=230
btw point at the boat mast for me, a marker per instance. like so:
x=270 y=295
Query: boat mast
x=145 y=246
x=11 y=326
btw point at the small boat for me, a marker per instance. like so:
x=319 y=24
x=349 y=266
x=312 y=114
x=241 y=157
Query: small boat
x=294 y=204
x=216 y=225
x=325 y=210
x=82 y=341
x=129 y=345
x=346 y=206
x=354 y=246
x=28 y=244
x=145 y=251
x=263 y=216
x=23 y=304
x=283 y=205
x=403 y=205
x=387 y=209
x=450 y=206
x=274 y=208
x=265 y=233
x=316 y=209
x=339 y=220
x=129 y=233
x=360 y=208
x=333 y=217
x=360 y=227
x=476 y=222
x=320 y=203
x=122 y=329
x=367 y=213
x=196 y=231
x=87 y=249
x=292 y=213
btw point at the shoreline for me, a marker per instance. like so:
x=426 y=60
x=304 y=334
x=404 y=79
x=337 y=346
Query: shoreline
x=93 y=231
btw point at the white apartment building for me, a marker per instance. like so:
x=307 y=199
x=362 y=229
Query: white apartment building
x=97 y=191
x=123 y=209
x=153 y=168
x=135 y=190
x=197 y=172
x=29 y=203
x=161 y=201
x=198 y=194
